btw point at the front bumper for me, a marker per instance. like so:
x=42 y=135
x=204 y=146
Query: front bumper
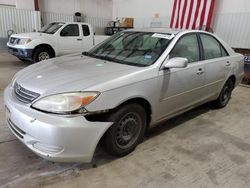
x=53 y=137
x=21 y=53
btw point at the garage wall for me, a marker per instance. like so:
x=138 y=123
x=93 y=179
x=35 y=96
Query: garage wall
x=145 y=12
x=232 y=22
x=19 y=4
x=93 y=8
x=95 y=12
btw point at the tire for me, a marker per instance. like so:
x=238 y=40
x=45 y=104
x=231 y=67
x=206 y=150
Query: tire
x=225 y=95
x=126 y=132
x=41 y=54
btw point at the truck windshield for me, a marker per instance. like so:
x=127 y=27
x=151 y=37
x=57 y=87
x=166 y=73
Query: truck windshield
x=132 y=48
x=51 y=28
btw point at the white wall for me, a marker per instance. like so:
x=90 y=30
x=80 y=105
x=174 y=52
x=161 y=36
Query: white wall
x=232 y=22
x=25 y=4
x=143 y=11
x=19 y=4
x=90 y=8
x=8 y=2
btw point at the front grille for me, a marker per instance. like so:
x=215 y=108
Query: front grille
x=14 y=40
x=24 y=95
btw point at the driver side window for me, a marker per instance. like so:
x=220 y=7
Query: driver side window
x=71 y=30
x=187 y=47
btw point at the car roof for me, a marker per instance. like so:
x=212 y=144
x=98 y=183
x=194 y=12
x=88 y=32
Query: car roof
x=166 y=30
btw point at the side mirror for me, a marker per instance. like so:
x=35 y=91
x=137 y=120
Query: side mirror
x=176 y=62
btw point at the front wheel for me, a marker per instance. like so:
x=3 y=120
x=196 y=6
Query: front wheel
x=127 y=131
x=225 y=95
x=41 y=54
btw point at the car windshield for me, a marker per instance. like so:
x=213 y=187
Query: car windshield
x=132 y=48
x=51 y=28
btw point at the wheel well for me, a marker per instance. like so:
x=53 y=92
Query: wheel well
x=141 y=101
x=233 y=78
x=144 y=103
x=45 y=46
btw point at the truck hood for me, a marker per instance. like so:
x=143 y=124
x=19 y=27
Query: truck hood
x=70 y=73
x=33 y=35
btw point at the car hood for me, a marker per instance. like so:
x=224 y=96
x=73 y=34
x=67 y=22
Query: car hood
x=70 y=73
x=32 y=35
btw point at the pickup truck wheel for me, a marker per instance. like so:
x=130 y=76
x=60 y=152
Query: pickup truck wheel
x=41 y=54
x=225 y=95
x=127 y=131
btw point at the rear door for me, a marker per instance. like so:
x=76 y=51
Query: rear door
x=217 y=64
x=87 y=39
x=182 y=87
x=70 y=40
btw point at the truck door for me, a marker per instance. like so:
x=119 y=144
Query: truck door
x=87 y=39
x=70 y=40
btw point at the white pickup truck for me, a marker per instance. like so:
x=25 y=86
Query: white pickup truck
x=55 y=39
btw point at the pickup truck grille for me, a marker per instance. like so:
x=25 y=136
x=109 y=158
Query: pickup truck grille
x=24 y=95
x=13 y=40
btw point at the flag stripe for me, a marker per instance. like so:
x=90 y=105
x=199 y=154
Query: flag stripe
x=196 y=14
x=197 y=23
x=190 y=13
x=211 y=10
x=207 y=11
x=177 y=20
x=173 y=13
x=203 y=13
x=183 y=14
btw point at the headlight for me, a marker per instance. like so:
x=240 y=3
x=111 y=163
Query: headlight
x=65 y=103
x=24 y=41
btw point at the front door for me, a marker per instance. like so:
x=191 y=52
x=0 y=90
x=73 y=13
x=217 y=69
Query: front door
x=181 y=88
x=69 y=39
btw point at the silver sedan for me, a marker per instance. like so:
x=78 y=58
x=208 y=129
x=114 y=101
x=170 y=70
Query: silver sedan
x=63 y=107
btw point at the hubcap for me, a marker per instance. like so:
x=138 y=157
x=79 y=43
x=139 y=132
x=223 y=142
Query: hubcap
x=225 y=94
x=128 y=130
x=43 y=56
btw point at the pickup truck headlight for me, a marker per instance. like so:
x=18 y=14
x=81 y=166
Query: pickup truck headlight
x=24 y=41
x=65 y=103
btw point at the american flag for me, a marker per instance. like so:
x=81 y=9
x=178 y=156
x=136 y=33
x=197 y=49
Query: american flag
x=192 y=14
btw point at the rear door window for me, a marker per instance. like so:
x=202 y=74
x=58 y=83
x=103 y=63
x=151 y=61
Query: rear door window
x=212 y=48
x=85 y=30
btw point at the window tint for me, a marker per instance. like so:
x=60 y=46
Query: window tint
x=212 y=48
x=187 y=47
x=85 y=30
x=70 y=31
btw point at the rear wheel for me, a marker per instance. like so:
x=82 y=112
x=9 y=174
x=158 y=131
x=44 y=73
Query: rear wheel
x=41 y=54
x=127 y=131
x=225 y=95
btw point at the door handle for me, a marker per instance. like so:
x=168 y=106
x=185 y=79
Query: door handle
x=228 y=63
x=200 y=71
x=79 y=39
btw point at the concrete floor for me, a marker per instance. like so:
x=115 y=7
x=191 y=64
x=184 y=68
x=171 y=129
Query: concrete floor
x=201 y=148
